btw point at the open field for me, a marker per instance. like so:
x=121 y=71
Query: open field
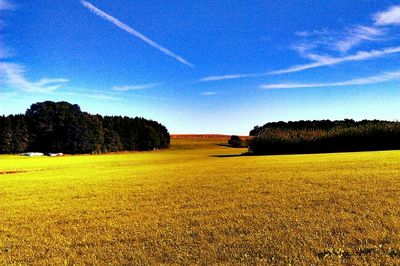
x=201 y=136
x=186 y=205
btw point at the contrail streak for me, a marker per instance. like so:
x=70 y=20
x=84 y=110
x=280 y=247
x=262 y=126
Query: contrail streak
x=384 y=77
x=134 y=32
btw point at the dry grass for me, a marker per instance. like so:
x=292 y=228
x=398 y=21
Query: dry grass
x=184 y=206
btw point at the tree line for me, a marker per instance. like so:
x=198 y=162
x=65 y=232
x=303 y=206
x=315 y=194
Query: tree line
x=63 y=127
x=324 y=136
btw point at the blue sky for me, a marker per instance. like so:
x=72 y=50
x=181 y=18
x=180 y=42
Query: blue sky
x=204 y=66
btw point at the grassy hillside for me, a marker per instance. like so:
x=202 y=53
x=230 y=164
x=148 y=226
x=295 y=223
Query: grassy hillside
x=188 y=204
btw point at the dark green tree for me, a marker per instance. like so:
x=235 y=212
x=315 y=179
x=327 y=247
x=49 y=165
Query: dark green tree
x=6 y=138
x=63 y=127
x=236 y=141
x=112 y=142
x=20 y=135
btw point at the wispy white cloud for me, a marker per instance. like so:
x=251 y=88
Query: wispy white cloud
x=208 y=93
x=328 y=61
x=344 y=41
x=338 y=41
x=6 y=5
x=13 y=75
x=135 y=87
x=231 y=76
x=388 y=17
x=356 y=36
x=5 y=51
x=93 y=95
x=311 y=33
x=385 y=77
x=303 y=48
x=319 y=61
x=134 y=32
x=318 y=45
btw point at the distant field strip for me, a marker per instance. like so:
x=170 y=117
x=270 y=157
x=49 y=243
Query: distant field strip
x=205 y=136
x=190 y=205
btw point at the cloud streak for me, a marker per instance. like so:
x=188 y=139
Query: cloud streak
x=14 y=76
x=225 y=77
x=93 y=95
x=385 y=77
x=134 y=32
x=328 y=61
x=320 y=61
x=208 y=93
x=134 y=87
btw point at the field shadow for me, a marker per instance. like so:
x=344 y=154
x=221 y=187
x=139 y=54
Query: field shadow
x=223 y=145
x=230 y=155
x=230 y=146
x=12 y=172
x=272 y=153
x=226 y=155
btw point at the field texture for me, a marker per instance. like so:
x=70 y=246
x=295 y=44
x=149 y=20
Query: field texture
x=195 y=203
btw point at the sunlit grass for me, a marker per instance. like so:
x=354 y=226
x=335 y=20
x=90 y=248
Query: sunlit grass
x=185 y=205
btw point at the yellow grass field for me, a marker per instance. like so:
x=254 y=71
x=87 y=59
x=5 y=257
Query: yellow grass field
x=185 y=205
